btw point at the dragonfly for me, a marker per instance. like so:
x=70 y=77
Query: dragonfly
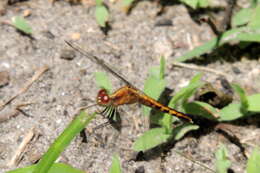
x=128 y=94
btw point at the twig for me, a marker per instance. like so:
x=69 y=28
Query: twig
x=27 y=85
x=7 y=115
x=21 y=149
x=194 y=67
x=193 y=160
x=86 y=107
x=12 y=113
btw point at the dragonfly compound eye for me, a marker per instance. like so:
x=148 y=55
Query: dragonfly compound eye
x=103 y=97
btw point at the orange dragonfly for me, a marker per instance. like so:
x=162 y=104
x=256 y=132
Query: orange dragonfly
x=128 y=94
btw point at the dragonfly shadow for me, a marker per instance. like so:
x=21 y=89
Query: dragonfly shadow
x=155 y=115
x=163 y=149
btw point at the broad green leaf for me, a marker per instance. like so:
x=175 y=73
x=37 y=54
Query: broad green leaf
x=201 y=109
x=56 y=168
x=255 y=22
x=222 y=163
x=150 y=139
x=103 y=81
x=115 y=167
x=231 y=112
x=243 y=98
x=180 y=131
x=254 y=103
x=253 y=164
x=21 y=24
x=101 y=15
x=242 y=17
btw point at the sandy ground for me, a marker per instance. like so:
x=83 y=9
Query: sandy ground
x=132 y=46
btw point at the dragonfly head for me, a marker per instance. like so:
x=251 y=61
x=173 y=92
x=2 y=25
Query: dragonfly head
x=103 y=98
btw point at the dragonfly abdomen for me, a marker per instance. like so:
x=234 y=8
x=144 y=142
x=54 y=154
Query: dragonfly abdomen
x=147 y=101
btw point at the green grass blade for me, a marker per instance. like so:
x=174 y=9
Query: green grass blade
x=236 y=34
x=28 y=169
x=253 y=164
x=243 y=98
x=222 y=163
x=182 y=95
x=56 y=168
x=63 y=141
x=64 y=168
x=162 y=67
x=115 y=167
x=198 y=51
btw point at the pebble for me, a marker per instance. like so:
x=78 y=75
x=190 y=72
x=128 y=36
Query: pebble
x=67 y=54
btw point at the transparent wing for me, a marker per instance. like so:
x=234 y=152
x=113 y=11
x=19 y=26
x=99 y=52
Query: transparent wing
x=100 y=62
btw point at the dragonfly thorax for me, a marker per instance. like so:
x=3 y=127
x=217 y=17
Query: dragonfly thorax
x=103 y=98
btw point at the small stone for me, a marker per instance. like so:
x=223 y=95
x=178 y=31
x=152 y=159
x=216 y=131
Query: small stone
x=67 y=54
x=164 y=22
x=236 y=70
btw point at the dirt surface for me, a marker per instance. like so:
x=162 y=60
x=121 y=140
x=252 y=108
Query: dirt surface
x=132 y=46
